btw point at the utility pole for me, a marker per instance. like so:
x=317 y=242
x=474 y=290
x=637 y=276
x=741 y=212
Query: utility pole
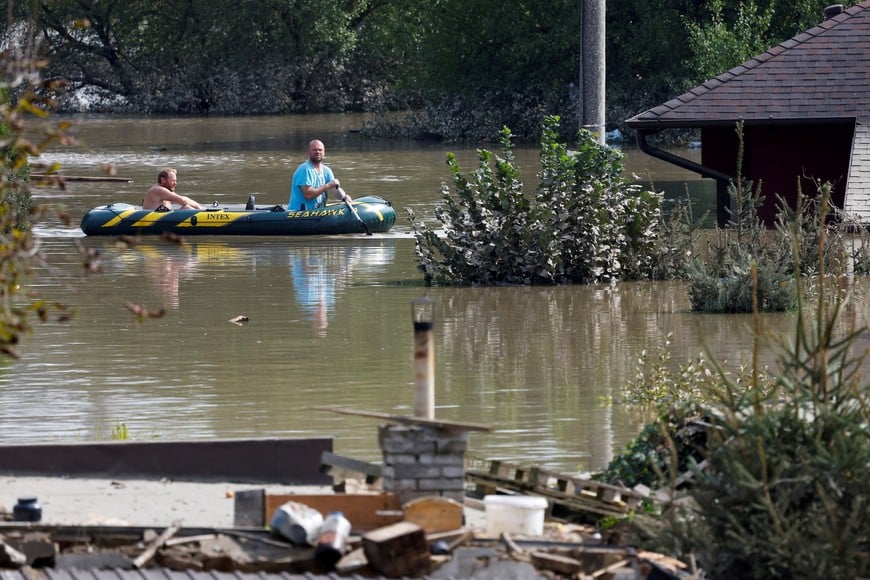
x=592 y=67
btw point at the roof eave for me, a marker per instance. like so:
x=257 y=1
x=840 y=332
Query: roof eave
x=661 y=124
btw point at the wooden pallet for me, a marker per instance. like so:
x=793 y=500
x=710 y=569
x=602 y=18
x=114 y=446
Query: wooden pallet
x=566 y=491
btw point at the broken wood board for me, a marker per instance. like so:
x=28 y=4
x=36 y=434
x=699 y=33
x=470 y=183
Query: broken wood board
x=152 y=548
x=58 y=176
x=365 y=511
x=398 y=550
x=566 y=491
x=339 y=467
x=410 y=420
x=434 y=514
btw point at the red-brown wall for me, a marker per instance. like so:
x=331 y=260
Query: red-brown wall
x=780 y=155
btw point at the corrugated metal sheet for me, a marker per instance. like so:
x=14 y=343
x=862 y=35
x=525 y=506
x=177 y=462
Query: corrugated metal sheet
x=158 y=574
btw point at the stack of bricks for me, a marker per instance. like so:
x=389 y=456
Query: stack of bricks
x=421 y=461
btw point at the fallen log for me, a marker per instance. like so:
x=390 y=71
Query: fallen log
x=58 y=176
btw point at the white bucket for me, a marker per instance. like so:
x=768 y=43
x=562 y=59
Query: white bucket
x=514 y=514
x=297 y=522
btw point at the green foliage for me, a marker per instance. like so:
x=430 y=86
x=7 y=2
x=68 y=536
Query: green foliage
x=646 y=55
x=743 y=262
x=779 y=487
x=465 y=69
x=535 y=43
x=671 y=443
x=657 y=385
x=584 y=223
x=678 y=433
x=21 y=98
x=120 y=432
x=785 y=492
x=718 y=46
x=216 y=55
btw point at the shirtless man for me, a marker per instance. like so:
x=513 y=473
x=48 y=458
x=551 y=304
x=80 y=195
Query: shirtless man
x=163 y=193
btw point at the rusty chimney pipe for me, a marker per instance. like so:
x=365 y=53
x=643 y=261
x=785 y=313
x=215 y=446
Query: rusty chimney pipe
x=423 y=313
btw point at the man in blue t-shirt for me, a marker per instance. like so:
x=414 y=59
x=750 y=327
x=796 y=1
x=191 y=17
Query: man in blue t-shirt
x=312 y=180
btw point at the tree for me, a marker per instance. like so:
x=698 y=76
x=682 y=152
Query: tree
x=717 y=46
x=467 y=69
x=23 y=96
x=585 y=223
x=203 y=56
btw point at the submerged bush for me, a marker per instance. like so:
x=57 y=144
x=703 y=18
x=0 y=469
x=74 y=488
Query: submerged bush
x=720 y=277
x=778 y=487
x=585 y=223
x=678 y=433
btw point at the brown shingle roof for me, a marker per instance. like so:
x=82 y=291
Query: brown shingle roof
x=823 y=73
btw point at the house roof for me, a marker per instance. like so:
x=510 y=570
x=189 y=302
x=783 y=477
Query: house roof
x=820 y=74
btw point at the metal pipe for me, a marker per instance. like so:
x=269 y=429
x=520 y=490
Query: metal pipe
x=424 y=358
x=680 y=161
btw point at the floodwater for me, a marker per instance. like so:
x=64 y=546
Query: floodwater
x=329 y=317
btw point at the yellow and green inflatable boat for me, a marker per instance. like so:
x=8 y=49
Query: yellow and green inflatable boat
x=366 y=214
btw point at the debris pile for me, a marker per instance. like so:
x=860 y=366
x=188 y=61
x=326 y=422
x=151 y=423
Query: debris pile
x=401 y=549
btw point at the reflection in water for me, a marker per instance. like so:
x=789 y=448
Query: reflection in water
x=545 y=366
x=317 y=278
x=165 y=270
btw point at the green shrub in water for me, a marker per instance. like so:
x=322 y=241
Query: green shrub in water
x=720 y=277
x=585 y=223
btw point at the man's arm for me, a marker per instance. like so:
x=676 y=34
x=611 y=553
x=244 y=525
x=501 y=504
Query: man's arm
x=310 y=192
x=166 y=195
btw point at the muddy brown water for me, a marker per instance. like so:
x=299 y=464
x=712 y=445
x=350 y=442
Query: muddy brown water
x=329 y=318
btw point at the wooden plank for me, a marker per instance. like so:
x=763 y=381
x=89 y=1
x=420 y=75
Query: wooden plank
x=557 y=563
x=434 y=513
x=582 y=502
x=332 y=463
x=145 y=557
x=611 y=568
x=406 y=419
x=365 y=511
x=43 y=176
x=398 y=550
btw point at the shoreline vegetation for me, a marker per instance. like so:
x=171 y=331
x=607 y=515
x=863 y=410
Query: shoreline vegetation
x=456 y=71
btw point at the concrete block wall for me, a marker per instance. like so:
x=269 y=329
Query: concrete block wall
x=423 y=461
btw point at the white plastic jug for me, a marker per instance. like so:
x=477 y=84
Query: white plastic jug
x=297 y=522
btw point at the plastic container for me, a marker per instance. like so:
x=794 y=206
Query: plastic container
x=297 y=522
x=27 y=510
x=514 y=514
x=333 y=539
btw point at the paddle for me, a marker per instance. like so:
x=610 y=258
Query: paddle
x=354 y=212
